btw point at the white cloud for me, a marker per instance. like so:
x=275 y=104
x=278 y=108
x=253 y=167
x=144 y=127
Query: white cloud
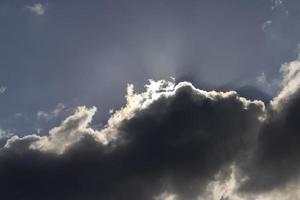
x=290 y=83
x=37 y=8
x=71 y=130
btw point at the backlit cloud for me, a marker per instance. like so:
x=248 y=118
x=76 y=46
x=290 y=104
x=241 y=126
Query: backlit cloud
x=170 y=142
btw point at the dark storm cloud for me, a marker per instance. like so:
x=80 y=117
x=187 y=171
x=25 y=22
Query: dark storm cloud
x=166 y=143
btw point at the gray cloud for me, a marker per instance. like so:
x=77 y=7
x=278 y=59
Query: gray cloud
x=266 y=25
x=3 y=89
x=5 y=134
x=170 y=142
x=165 y=143
x=276 y=158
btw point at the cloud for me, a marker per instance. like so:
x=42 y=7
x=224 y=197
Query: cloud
x=276 y=3
x=58 y=110
x=228 y=189
x=165 y=143
x=266 y=25
x=69 y=132
x=37 y=8
x=290 y=84
x=165 y=196
x=269 y=86
x=170 y=142
x=3 y=89
x=275 y=161
x=280 y=7
x=5 y=134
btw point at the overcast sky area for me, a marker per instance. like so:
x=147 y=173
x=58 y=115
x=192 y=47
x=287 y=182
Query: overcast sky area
x=77 y=103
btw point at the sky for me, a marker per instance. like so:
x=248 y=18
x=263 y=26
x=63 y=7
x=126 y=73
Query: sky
x=160 y=99
x=85 y=53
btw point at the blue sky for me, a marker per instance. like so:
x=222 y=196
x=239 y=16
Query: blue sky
x=71 y=53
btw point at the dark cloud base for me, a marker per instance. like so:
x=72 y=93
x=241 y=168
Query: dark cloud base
x=276 y=159
x=173 y=138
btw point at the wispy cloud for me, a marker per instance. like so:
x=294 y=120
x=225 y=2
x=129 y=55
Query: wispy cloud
x=37 y=8
x=5 y=134
x=279 y=5
x=3 y=89
x=59 y=109
x=269 y=86
x=266 y=25
x=276 y=3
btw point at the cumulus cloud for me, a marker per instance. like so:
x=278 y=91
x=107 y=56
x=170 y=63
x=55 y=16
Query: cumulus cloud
x=71 y=130
x=37 y=8
x=170 y=142
x=165 y=143
x=275 y=162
